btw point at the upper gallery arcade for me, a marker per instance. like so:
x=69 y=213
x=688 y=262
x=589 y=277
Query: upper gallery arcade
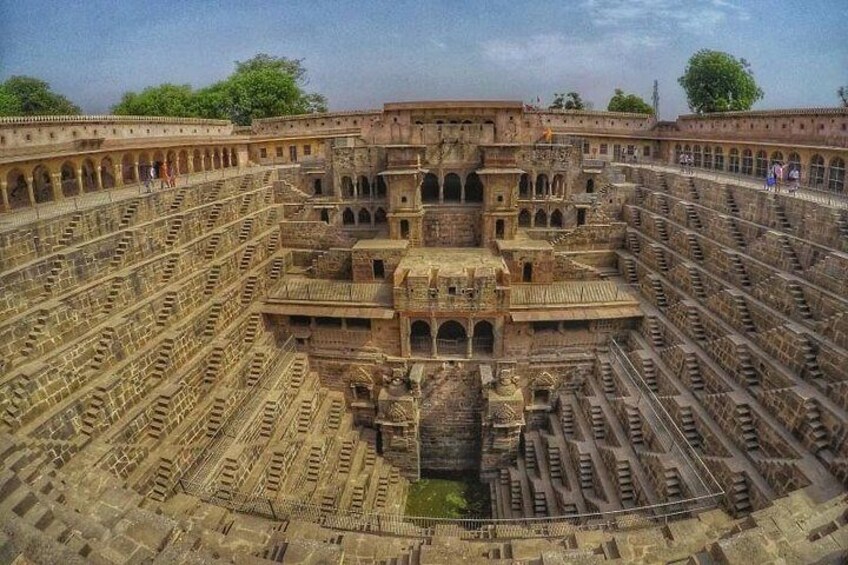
x=45 y=159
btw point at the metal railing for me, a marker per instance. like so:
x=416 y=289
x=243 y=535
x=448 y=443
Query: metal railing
x=285 y=508
x=457 y=346
x=804 y=192
x=675 y=438
x=54 y=208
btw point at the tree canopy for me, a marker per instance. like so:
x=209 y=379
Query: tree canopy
x=842 y=92
x=29 y=96
x=569 y=101
x=163 y=100
x=715 y=81
x=621 y=102
x=261 y=87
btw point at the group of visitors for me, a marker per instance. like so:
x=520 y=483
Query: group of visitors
x=161 y=170
x=778 y=173
x=687 y=163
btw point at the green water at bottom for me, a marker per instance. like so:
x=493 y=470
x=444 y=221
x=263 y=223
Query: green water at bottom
x=452 y=497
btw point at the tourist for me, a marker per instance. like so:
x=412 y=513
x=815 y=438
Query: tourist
x=777 y=170
x=149 y=175
x=794 y=178
x=172 y=178
x=164 y=175
x=770 y=182
x=682 y=160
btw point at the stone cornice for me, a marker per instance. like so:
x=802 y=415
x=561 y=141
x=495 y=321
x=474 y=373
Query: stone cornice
x=112 y=119
x=779 y=113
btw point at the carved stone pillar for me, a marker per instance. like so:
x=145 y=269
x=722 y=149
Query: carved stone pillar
x=80 y=183
x=4 y=203
x=398 y=418
x=119 y=175
x=405 y=337
x=503 y=420
x=57 y=187
x=433 y=333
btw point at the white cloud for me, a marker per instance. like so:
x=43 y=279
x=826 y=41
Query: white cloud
x=691 y=16
x=438 y=44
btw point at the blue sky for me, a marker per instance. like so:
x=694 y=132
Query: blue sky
x=361 y=54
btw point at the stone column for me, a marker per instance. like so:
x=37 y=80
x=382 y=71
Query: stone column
x=137 y=167
x=441 y=188
x=461 y=191
x=4 y=204
x=190 y=163
x=119 y=175
x=80 y=183
x=433 y=334
x=469 y=332
x=31 y=190
x=405 y=338
x=99 y=171
x=497 y=335
x=532 y=187
x=58 y=194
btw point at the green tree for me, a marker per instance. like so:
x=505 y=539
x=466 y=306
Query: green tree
x=842 y=92
x=570 y=101
x=266 y=86
x=291 y=67
x=212 y=102
x=28 y=96
x=261 y=87
x=715 y=81
x=163 y=100
x=262 y=93
x=10 y=105
x=621 y=102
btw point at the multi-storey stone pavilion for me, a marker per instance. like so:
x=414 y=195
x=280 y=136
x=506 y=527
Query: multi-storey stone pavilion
x=254 y=365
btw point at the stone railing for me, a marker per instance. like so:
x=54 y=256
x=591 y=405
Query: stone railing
x=46 y=134
x=108 y=118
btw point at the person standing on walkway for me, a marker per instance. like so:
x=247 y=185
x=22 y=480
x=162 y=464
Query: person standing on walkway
x=777 y=170
x=163 y=174
x=794 y=178
x=149 y=174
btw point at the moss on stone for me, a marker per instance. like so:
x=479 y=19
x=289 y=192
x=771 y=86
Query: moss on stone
x=448 y=498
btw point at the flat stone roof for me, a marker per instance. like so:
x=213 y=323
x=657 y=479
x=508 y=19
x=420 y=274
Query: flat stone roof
x=381 y=243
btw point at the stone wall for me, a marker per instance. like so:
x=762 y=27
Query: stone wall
x=452 y=227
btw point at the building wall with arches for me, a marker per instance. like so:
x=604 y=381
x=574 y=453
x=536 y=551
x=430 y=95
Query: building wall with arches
x=25 y=182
